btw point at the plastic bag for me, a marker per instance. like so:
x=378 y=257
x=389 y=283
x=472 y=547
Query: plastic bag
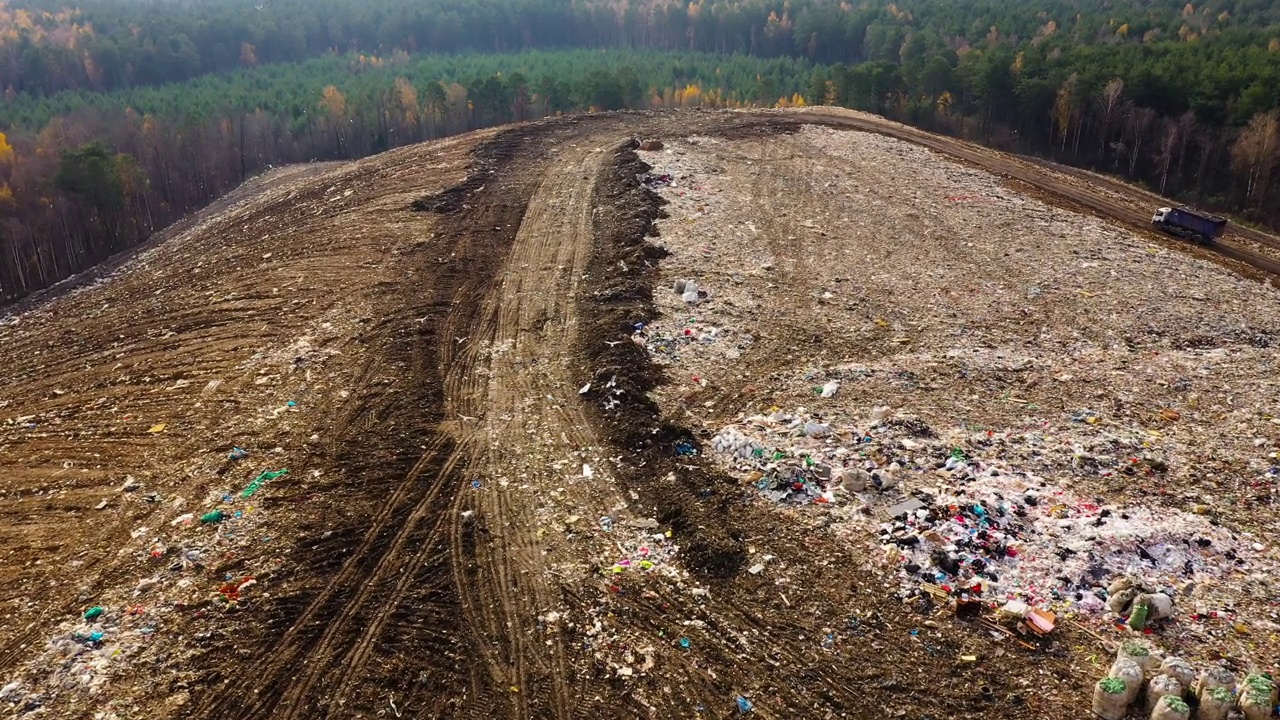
x=1180 y=670
x=1159 y=687
x=1215 y=703
x=1131 y=673
x=1109 y=701
x=1171 y=708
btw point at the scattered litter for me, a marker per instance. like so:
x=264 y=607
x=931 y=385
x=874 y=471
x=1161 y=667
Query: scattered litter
x=261 y=480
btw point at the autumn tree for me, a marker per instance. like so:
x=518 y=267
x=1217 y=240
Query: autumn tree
x=1066 y=109
x=407 y=106
x=334 y=106
x=1254 y=153
x=1109 y=105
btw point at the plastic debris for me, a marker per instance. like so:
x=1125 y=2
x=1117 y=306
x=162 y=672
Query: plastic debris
x=261 y=480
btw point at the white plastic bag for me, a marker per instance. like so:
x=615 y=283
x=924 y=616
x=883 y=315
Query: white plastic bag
x=1131 y=673
x=1159 y=687
x=1180 y=670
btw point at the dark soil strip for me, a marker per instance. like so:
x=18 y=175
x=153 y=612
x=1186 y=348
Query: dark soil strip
x=694 y=501
x=486 y=161
x=425 y=654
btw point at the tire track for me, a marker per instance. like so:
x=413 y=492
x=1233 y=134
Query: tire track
x=504 y=420
x=533 y=310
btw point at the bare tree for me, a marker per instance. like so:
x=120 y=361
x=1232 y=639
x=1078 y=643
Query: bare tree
x=1109 y=107
x=1255 y=152
x=1170 y=136
x=1186 y=129
x=1140 y=119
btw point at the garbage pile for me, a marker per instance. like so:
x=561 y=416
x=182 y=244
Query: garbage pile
x=1174 y=690
x=802 y=459
x=653 y=180
x=965 y=518
x=668 y=345
x=179 y=582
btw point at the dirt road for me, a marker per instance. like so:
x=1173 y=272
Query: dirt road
x=483 y=516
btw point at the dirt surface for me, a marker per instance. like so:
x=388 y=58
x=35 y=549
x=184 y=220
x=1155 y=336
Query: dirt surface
x=487 y=512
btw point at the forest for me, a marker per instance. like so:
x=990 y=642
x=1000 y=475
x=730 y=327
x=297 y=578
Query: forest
x=120 y=116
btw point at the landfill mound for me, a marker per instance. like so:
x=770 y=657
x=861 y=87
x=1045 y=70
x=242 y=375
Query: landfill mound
x=777 y=414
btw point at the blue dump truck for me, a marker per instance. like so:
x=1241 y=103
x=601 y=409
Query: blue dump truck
x=1189 y=224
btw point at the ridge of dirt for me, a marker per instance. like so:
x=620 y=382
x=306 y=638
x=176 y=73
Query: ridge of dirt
x=625 y=264
x=486 y=161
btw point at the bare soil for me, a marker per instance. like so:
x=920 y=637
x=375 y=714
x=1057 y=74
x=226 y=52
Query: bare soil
x=484 y=514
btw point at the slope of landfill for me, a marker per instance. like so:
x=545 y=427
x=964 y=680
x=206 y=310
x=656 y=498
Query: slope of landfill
x=781 y=419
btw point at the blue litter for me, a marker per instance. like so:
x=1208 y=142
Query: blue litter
x=684 y=448
x=744 y=705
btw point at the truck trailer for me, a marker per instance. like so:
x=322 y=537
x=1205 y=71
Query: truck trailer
x=1189 y=224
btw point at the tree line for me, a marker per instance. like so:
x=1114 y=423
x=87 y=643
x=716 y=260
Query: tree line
x=86 y=175
x=121 y=115
x=47 y=46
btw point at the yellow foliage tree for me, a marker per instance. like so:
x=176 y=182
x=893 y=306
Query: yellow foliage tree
x=6 y=150
x=798 y=100
x=944 y=103
x=408 y=97
x=690 y=96
x=332 y=102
